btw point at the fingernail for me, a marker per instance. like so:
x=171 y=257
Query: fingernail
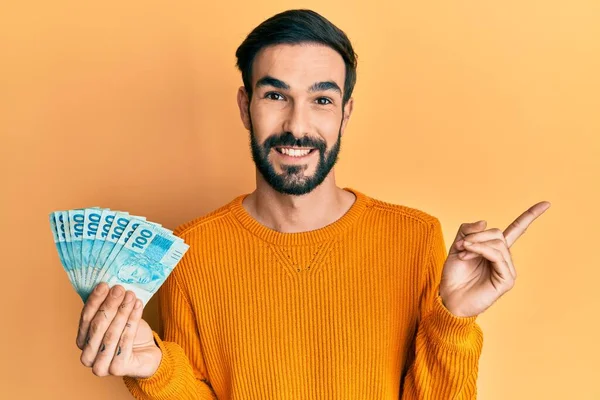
x=100 y=288
x=467 y=243
x=117 y=291
x=102 y=348
x=128 y=297
x=459 y=242
x=138 y=304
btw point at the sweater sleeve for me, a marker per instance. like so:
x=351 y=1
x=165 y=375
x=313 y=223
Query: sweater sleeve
x=443 y=360
x=182 y=373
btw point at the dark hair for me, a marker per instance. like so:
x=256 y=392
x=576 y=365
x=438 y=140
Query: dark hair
x=294 y=27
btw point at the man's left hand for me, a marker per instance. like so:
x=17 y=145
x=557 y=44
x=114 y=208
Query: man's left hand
x=474 y=276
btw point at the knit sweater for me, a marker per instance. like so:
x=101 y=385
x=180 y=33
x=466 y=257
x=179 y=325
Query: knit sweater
x=347 y=311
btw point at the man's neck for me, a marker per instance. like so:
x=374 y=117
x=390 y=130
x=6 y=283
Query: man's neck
x=290 y=214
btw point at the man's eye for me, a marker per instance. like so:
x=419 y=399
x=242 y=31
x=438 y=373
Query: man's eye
x=272 y=94
x=326 y=99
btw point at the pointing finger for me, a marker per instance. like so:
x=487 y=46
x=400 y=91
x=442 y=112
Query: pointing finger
x=520 y=225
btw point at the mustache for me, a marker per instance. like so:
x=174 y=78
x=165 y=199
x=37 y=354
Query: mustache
x=288 y=139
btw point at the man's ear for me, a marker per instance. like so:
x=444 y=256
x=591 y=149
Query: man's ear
x=347 y=111
x=244 y=105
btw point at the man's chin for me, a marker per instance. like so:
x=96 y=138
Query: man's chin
x=294 y=191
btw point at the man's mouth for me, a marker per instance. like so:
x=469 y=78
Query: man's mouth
x=294 y=151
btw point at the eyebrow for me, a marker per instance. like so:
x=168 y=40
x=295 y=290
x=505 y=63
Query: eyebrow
x=315 y=87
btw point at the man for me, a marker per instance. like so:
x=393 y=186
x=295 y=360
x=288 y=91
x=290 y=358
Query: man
x=302 y=289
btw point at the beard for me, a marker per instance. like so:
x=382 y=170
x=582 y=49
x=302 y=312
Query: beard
x=292 y=180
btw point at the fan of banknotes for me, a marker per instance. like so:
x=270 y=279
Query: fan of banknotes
x=101 y=245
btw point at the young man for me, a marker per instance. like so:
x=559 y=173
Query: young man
x=302 y=289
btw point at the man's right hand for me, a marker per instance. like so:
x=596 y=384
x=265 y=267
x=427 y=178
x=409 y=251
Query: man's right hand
x=113 y=336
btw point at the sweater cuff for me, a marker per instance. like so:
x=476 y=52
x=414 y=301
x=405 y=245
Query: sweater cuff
x=162 y=378
x=453 y=333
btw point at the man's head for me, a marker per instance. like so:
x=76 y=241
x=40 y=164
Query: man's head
x=299 y=72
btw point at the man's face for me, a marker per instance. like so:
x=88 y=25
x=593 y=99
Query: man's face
x=295 y=116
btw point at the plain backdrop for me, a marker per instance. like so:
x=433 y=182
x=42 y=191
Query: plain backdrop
x=465 y=110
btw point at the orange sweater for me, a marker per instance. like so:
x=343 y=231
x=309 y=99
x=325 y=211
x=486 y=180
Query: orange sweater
x=347 y=311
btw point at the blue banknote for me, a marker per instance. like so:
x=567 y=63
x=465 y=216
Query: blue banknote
x=55 y=237
x=64 y=217
x=131 y=227
x=76 y=218
x=59 y=241
x=145 y=261
x=110 y=240
x=112 y=245
x=106 y=222
x=76 y=224
x=62 y=232
x=96 y=244
x=134 y=222
x=62 y=239
x=91 y=224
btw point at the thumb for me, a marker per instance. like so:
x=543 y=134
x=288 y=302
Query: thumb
x=470 y=227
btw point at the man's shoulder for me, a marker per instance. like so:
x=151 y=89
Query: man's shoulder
x=411 y=221
x=395 y=211
x=206 y=220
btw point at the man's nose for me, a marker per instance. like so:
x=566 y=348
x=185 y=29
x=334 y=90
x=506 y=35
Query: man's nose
x=296 y=121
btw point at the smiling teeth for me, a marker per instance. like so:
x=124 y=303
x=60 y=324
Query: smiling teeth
x=294 y=152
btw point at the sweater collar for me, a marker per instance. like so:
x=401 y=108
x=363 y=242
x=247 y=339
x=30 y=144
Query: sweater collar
x=300 y=238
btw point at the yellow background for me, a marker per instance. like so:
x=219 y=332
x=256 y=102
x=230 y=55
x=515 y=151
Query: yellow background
x=466 y=110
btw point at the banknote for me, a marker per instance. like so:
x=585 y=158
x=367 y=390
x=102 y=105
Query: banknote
x=111 y=241
x=62 y=240
x=133 y=224
x=58 y=236
x=76 y=232
x=145 y=261
x=129 y=229
x=104 y=231
x=101 y=245
x=64 y=217
x=106 y=222
x=117 y=226
x=91 y=224
x=76 y=225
